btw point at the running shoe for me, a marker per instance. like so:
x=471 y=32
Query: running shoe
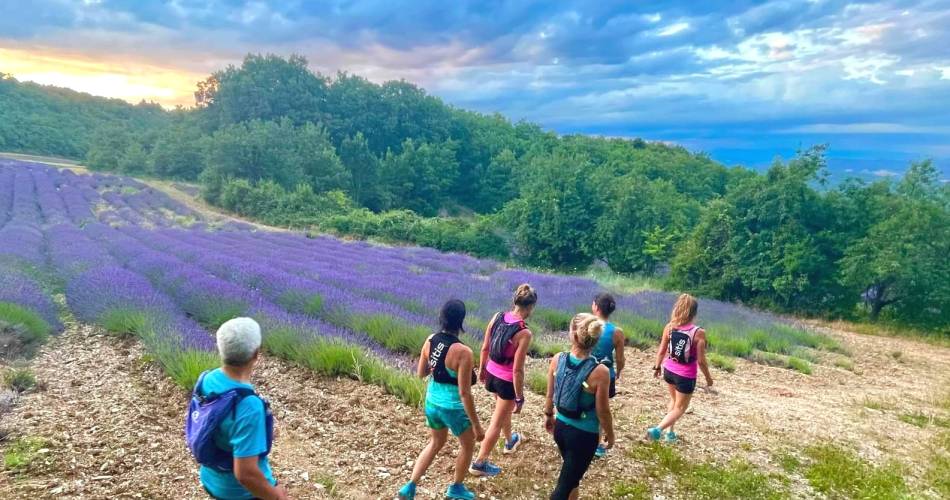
x=484 y=468
x=408 y=491
x=671 y=437
x=654 y=433
x=600 y=452
x=511 y=446
x=459 y=491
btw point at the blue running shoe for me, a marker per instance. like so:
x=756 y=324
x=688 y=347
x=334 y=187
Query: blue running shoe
x=459 y=491
x=408 y=491
x=484 y=468
x=654 y=433
x=511 y=446
x=600 y=452
x=671 y=437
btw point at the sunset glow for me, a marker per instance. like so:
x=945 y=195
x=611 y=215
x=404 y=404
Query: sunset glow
x=132 y=81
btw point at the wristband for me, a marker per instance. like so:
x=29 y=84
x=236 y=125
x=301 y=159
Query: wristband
x=519 y=402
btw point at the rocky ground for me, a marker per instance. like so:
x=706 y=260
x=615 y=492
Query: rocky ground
x=109 y=424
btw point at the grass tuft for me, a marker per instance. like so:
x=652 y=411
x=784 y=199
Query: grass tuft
x=630 y=489
x=552 y=320
x=19 y=379
x=22 y=453
x=724 y=363
x=799 y=365
x=839 y=473
x=736 y=479
x=126 y=322
x=537 y=380
x=32 y=327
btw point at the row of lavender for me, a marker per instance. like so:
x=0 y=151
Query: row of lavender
x=117 y=248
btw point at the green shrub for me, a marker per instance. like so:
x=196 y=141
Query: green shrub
x=31 y=326
x=184 y=366
x=19 y=379
x=836 y=472
x=844 y=364
x=722 y=362
x=546 y=347
x=296 y=301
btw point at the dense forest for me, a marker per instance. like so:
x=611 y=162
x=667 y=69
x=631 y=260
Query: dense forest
x=274 y=141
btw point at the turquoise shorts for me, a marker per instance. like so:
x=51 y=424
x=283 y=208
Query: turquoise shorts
x=439 y=418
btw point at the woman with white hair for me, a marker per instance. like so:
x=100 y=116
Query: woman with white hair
x=229 y=427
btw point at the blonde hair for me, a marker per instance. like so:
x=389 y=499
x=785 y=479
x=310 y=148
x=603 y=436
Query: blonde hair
x=525 y=296
x=585 y=330
x=684 y=310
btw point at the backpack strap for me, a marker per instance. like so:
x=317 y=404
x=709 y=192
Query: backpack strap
x=196 y=392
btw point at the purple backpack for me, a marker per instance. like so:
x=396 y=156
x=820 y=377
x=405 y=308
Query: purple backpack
x=205 y=414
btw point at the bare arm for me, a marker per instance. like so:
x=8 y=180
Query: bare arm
x=521 y=354
x=601 y=376
x=549 y=396
x=483 y=355
x=701 y=355
x=464 y=370
x=619 y=359
x=422 y=369
x=661 y=351
x=248 y=473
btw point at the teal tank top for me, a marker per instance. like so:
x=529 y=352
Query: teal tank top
x=603 y=352
x=444 y=396
x=588 y=420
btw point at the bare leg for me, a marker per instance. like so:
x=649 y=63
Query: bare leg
x=669 y=407
x=436 y=442
x=467 y=442
x=575 y=494
x=503 y=410
x=506 y=425
x=679 y=408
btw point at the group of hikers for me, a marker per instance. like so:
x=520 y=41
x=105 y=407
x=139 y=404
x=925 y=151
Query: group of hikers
x=229 y=427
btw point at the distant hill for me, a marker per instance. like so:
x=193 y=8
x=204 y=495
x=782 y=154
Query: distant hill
x=42 y=119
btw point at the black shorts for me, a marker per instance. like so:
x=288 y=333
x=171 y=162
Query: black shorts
x=503 y=388
x=613 y=387
x=682 y=384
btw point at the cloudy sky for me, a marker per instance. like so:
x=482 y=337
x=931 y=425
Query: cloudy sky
x=742 y=81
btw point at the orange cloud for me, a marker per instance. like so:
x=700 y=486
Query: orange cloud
x=121 y=78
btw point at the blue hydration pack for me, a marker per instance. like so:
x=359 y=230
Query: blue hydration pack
x=205 y=414
x=569 y=381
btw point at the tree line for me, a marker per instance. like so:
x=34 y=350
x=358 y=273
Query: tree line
x=272 y=140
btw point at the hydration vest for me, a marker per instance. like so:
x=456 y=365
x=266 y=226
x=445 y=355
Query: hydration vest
x=439 y=346
x=205 y=414
x=501 y=335
x=569 y=381
x=680 y=348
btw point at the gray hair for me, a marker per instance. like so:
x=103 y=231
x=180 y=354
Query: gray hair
x=238 y=340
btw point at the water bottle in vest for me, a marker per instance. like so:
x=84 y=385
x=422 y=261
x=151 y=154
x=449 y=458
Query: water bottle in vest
x=681 y=345
x=569 y=379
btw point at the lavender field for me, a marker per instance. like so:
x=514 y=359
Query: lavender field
x=118 y=253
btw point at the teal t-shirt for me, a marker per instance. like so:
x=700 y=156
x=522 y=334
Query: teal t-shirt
x=588 y=420
x=444 y=395
x=245 y=435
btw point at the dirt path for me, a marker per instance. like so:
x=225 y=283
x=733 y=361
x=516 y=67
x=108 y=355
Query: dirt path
x=111 y=424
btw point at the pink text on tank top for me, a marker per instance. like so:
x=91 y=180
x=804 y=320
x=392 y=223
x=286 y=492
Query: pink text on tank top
x=499 y=370
x=687 y=370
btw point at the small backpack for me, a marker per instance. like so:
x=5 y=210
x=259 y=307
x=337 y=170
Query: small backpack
x=439 y=346
x=680 y=347
x=501 y=335
x=205 y=414
x=569 y=381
